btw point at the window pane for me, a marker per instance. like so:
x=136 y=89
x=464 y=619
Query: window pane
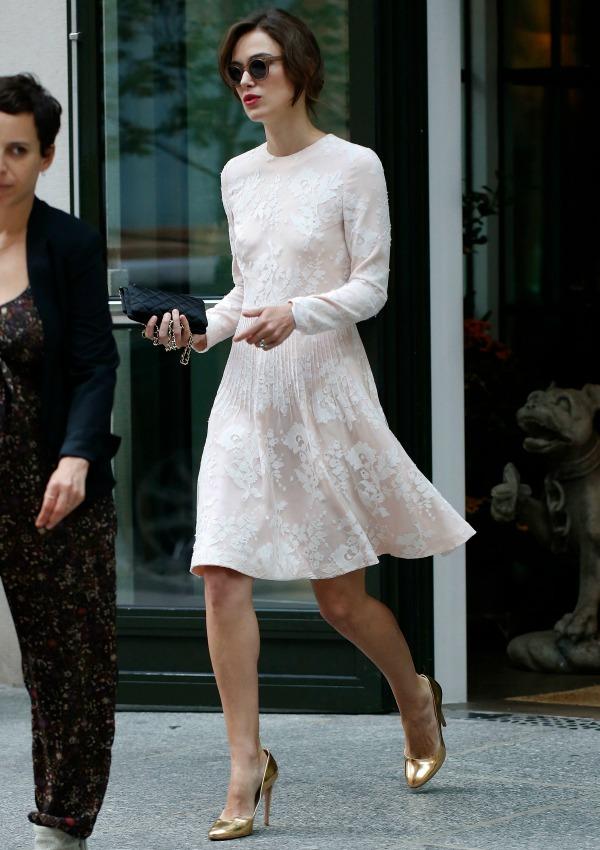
x=162 y=420
x=524 y=212
x=170 y=126
x=527 y=33
x=571 y=33
x=580 y=22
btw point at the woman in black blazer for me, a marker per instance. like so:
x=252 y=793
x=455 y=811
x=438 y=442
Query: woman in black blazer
x=58 y=365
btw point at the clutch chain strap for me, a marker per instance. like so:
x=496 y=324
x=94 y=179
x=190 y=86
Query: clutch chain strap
x=172 y=342
x=185 y=354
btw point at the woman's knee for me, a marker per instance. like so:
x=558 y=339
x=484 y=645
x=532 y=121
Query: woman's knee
x=225 y=588
x=338 y=609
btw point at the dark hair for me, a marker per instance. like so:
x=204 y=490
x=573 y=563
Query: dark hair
x=24 y=93
x=301 y=54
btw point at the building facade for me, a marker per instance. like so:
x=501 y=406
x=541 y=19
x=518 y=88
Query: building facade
x=147 y=128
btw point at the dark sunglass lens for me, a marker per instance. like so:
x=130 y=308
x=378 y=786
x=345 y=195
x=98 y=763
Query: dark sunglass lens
x=235 y=73
x=258 y=69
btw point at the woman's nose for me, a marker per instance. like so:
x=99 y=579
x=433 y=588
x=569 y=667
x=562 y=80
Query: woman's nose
x=246 y=78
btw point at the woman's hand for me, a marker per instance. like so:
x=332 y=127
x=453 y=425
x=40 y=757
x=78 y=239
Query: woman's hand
x=64 y=492
x=273 y=326
x=182 y=335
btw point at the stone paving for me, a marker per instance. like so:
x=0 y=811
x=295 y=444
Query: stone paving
x=512 y=782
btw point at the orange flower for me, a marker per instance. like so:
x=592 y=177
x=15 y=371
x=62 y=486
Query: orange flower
x=473 y=504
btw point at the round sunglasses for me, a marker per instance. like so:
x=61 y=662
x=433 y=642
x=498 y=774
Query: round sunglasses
x=257 y=67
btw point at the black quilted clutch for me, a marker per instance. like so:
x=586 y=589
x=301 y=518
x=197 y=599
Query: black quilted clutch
x=140 y=304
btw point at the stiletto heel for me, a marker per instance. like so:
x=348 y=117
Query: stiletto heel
x=225 y=830
x=268 y=794
x=420 y=771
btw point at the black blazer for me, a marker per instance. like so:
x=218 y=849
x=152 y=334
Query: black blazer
x=67 y=276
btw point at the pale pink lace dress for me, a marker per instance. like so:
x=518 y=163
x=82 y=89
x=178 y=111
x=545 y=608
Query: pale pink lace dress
x=301 y=476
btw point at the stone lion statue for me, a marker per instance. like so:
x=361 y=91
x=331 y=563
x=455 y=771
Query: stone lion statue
x=559 y=428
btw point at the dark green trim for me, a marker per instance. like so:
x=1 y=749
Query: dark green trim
x=404 y=361
x=305 y=665
x=90 y=113
x=467 y=93
x=72 y=109
x=362 y=96
x=502 y=196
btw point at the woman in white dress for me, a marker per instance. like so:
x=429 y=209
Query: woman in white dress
x=301 y=476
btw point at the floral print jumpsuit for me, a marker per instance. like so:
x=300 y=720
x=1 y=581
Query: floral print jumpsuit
x=61 y=591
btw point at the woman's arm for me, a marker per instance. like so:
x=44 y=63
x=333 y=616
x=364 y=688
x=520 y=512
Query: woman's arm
x=92 y=363
x=367 y=231
x=92 y=356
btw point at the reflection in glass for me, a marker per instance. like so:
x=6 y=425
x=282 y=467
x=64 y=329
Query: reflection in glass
x=579 y=266
x=156 y=469
x=579 y=24
x=551 y=260
x=527 y=34
x=524 y=214
x=170 y=126
x=571 y=32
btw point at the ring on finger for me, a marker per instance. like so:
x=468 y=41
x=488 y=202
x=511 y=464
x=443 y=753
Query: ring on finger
x=262 y=344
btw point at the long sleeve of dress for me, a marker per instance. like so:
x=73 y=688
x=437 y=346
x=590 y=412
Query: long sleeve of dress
x=367 y=233
x=223 y=317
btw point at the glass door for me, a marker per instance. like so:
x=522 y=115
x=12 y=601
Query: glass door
x=545 y=353
x=170 y=126
x=152 y=128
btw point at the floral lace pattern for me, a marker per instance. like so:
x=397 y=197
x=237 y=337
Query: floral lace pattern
x=301 y=476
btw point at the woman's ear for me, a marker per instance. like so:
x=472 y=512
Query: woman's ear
x=48 y=158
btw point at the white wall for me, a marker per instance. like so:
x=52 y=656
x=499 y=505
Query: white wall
x=445 y=203
x=34 y=37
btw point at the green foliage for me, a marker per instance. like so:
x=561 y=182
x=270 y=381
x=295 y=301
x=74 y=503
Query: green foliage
x=171 y=96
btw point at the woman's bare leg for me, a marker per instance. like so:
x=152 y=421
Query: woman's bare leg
x=372 y=627
x=234 y=644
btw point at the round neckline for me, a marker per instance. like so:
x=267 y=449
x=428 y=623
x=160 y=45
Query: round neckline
x=16 y=298
x=289 y=156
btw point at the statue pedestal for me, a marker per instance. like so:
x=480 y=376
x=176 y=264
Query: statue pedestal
x=549 y=652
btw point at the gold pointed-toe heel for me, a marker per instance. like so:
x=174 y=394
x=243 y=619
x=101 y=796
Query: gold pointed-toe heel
x=225 y=830
x=420 y=771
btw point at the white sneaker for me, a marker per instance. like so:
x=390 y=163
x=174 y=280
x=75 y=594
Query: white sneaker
x=47 y=838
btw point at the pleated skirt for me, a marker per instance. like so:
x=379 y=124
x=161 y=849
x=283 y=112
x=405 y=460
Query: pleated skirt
x=301 y=476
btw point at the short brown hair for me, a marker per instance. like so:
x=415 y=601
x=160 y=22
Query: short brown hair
x=24 y=93
x=302 y=58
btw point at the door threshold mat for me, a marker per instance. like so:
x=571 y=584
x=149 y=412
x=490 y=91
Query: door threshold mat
x=589 y=696
x=554 y=721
